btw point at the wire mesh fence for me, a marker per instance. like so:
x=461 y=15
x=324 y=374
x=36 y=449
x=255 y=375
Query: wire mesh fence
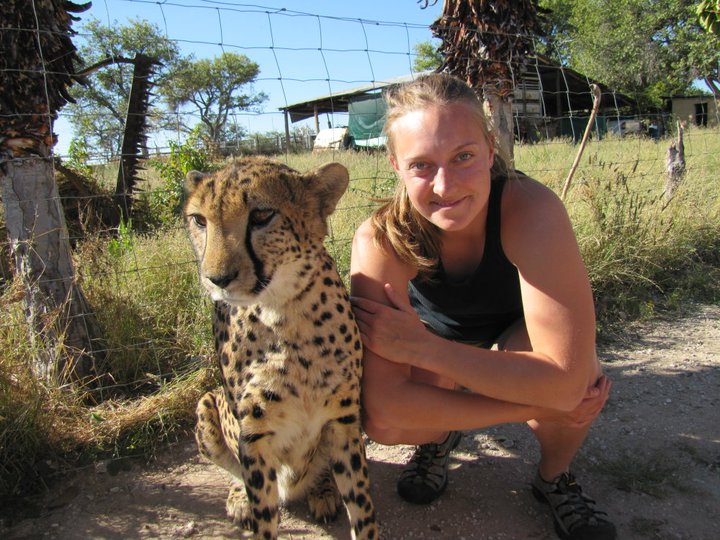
x=314 y=67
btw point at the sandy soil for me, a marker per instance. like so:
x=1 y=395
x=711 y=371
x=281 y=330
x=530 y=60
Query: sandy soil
x=652 y=460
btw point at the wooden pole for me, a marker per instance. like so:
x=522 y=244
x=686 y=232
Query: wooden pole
x=596 y=105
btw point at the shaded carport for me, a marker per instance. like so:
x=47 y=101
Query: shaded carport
x=337 y=102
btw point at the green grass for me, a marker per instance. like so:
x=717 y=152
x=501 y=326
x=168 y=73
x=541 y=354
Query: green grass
x=155 y=326
x=154 y=316
x=642 y=252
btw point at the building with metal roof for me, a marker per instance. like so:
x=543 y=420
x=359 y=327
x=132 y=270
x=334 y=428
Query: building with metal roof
x=549 y=101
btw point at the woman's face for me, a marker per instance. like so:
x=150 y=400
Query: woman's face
x=443 y=157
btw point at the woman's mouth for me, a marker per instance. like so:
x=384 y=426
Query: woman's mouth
x=444 y=203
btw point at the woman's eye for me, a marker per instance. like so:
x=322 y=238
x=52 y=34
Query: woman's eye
x=418 y=166
x=199 y=220
x=464 y=156
x=261 y=216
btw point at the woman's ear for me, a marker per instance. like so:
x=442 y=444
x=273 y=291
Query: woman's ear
x=393 y=162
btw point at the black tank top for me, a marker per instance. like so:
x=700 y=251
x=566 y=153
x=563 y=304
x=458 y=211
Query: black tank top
x=478 y=309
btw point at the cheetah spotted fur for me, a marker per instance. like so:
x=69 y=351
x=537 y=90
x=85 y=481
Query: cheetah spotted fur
x=286 y=421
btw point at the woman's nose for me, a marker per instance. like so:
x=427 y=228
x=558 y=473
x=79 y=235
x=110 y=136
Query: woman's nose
x=441 y=183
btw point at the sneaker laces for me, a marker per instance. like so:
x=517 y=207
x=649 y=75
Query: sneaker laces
x=576 y=502
x=571 y=507
x=429 y=462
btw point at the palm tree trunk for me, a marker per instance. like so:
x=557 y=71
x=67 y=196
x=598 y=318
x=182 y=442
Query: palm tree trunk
x=134 y=138
x=60 y=323
x=484 y=42
x=499 y=111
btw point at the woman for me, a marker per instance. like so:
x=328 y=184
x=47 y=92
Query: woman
x=473 y=304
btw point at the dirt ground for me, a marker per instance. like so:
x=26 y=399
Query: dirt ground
x=652 y=461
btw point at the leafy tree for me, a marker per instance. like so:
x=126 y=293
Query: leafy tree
x=644 y=48
x=705 y=54
x=184 y=157
x=709 y=13
x=234 y=135
x=78 y=156
x=99 y=114
x=215 y=88
x=427 y=57
x=558 y=30
x=614 y=45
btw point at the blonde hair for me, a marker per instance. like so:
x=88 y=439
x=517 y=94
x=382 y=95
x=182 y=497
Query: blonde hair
x=415 y=240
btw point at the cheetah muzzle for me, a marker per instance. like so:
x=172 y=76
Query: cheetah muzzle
x=286 y=421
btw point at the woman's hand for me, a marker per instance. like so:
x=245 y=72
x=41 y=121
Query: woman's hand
x=393 y=331
x=588 y=409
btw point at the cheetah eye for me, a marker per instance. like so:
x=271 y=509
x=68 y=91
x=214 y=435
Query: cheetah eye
x=199 y=220
x=261 y=216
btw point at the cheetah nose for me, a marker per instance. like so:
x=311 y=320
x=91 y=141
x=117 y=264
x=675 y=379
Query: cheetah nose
x=223 y=281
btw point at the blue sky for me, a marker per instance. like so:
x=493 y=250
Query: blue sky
x=304 y=48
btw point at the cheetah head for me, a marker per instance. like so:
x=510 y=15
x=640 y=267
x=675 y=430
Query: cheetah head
x=257 y=227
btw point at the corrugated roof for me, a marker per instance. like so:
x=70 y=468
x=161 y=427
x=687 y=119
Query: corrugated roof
x=338 y=101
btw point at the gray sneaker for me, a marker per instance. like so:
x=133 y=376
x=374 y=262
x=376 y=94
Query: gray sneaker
x=424 y=478
x=573 y=512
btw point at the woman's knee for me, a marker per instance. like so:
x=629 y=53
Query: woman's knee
x=559 y=425
x=380 y=434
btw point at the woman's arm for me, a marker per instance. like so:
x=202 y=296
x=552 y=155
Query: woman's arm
x=398 y=406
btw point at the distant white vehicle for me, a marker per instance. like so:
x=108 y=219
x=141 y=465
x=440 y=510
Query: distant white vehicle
x=624 y=127
x=332 y=139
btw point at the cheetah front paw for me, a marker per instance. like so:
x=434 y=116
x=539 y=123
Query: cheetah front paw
x=324 y=504
x=237 y=507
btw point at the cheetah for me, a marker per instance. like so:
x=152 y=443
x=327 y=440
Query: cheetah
x=286 y=421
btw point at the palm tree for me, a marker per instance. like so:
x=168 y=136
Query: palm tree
x=485 y=42
x=38 y=65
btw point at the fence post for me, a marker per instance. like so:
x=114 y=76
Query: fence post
x=675 y=164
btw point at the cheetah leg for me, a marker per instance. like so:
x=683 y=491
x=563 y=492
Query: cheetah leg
x=217 y=441
x=349 y=467
x=260 y=469
x=216 y=438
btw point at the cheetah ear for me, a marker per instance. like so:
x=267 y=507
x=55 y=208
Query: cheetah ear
x=328 y=183
x=192 y=179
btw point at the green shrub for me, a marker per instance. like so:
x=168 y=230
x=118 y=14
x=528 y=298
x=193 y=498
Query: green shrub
x=166 y=200
x=78 y=157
